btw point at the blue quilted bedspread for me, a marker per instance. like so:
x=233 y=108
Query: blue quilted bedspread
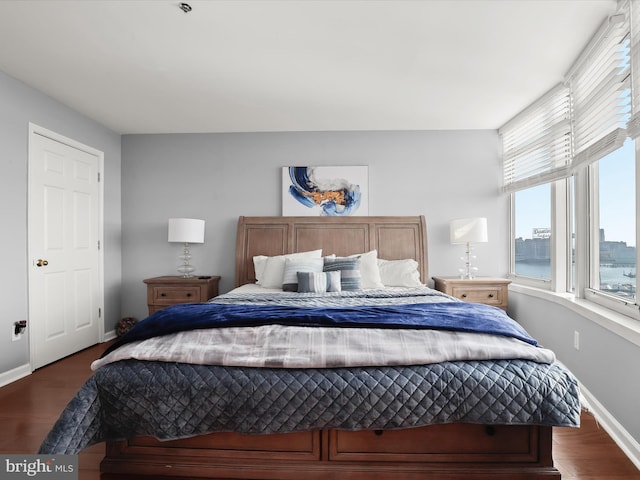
x=170 y=400
x=175 y=400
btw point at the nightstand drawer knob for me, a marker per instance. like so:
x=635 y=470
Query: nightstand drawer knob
x=491 y=295
x=163 y=294
x=189 y=295
x=464 y=295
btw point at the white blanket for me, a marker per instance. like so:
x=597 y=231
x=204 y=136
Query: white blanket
x=319 y=347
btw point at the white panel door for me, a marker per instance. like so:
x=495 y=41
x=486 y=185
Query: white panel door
x=64 y=228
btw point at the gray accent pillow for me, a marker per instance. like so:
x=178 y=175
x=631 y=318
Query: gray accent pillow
x=349 y=268
x=314 y=282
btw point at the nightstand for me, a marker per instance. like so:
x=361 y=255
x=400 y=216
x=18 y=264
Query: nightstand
x=491 y=291
x=165 y=291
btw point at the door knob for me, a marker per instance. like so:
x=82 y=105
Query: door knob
x=42 y=263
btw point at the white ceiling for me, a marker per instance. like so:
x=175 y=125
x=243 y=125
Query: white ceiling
x=145 y=66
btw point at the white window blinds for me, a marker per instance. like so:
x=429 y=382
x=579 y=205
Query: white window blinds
x=583 y=119
x=633 y=128
x=600 y=89
x=537 y=143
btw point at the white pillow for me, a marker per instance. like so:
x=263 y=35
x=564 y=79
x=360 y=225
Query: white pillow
x=369 y=270
x=291 y=268
x=399 y=273
x=273 y=272
x=259 y=262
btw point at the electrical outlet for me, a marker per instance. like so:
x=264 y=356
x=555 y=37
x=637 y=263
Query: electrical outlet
x=17 y=330
x=576 y=340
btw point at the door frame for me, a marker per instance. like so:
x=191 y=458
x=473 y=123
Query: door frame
x=43 y=132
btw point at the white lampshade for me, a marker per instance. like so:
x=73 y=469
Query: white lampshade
x=186 y=230
x=469 y=230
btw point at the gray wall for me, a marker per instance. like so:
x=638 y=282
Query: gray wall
x=606 y=364
x=218 y=177
x=20 y=105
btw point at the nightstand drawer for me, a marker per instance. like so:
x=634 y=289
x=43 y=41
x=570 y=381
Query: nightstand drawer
x=487 y=295
x=165 y=291
x=172 y=295
x=487 y=290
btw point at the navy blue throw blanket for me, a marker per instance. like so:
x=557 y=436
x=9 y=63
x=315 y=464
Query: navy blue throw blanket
x=455 y=316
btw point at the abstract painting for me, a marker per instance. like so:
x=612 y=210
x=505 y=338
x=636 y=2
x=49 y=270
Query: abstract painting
x=325 y=191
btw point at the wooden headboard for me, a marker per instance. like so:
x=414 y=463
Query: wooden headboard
x=394 y=238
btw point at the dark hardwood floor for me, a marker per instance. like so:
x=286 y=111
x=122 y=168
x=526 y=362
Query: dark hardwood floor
x=30 y=406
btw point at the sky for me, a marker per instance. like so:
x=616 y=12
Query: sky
x=617 y=194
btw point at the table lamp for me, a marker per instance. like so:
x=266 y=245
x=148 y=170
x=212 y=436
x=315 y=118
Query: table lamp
x=186 y=231
x=468 y=231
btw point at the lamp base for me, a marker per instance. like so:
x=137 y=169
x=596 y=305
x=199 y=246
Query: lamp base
x=186 y=269
x=469 y=271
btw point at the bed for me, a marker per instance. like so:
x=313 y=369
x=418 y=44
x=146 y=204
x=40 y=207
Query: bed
x=284 y=416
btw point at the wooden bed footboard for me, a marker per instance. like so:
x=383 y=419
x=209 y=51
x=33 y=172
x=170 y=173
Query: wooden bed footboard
x=437 y=452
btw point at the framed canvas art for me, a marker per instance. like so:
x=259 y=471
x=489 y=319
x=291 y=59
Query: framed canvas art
x=328 y=191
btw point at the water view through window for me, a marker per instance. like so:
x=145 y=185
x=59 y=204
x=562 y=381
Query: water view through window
x=616 y=231
x=533 y=232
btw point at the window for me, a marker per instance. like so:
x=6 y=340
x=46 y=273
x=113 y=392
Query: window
x=532 y=232
x=571 y=235
x=570 y=163
x=614 y=226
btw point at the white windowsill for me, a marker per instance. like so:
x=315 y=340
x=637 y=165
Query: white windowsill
x=620 y=324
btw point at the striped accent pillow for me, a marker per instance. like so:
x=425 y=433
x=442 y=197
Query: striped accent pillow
x=314 y=282
x=293 y=266
x=349 y=268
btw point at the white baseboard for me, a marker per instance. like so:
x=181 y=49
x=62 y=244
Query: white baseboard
x=616 y=431
x=110 y=335
x=24 y=370
x=15 y=374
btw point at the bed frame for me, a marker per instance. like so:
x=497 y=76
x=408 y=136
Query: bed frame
x=437 y=452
